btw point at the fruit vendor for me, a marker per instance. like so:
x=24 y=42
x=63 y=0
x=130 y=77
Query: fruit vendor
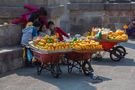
x=130 y=29
x=56 y=30
x=33 y=15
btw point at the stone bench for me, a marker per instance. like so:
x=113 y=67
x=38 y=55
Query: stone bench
x=10 y=59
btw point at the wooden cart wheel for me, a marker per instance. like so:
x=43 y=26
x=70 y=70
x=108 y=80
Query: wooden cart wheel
x=87 y=69
x=115 y=55
x=70 y=64
x=121 y=49
x=39 y=68
x=55 y=70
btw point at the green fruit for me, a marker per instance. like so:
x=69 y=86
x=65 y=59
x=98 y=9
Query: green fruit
x=74 y=39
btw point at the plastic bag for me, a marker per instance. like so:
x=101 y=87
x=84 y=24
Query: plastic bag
x=99 y=35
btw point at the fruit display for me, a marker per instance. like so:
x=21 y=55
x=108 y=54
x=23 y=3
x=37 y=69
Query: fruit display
x=107 y=34
x=118 y=35
x=98 y=32
x=86 y=45
x=50 y=43
x=45 y=39
x=55 y=46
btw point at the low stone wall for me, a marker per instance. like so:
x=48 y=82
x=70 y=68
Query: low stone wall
x=10 y=50
x=10 y=35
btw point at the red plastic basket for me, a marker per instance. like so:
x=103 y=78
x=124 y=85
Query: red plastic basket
x=107 y=45
x=47 y=58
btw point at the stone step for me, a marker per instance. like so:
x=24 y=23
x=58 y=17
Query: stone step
x=10 y=59
x=10 y=35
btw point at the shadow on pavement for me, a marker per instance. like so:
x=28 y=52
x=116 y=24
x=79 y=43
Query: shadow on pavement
x=128 y=45
x=108 y=62
x=73 y=81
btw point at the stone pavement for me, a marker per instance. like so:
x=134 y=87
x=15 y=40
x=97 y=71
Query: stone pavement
x=116 y=76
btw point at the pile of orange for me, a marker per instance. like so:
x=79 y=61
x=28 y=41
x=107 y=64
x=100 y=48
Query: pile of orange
x=50 y=43
x=118 y=35
x=90 y=45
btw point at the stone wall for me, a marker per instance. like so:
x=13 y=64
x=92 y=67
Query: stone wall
x=87 y=15
x=11 y=9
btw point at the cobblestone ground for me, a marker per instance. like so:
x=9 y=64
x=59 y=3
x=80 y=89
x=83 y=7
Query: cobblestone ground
x=115 y=75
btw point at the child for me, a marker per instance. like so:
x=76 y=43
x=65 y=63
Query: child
x=29 y=32
x=44 y=31
x=56 y=30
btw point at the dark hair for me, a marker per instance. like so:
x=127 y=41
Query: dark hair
x=50 y=23
x=40 y=28
x=42 y=11
x=37 y=24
